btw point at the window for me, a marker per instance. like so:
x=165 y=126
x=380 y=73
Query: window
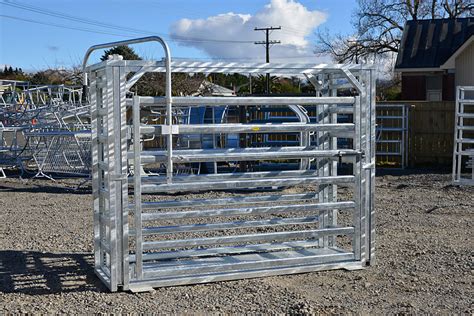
x=434 y=88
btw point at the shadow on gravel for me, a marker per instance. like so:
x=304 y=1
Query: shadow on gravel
x=37 y=273
x=412 y=171
x=46 y=189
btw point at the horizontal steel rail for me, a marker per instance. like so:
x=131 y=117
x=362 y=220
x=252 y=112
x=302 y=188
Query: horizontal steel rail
x=232 y=176
x=248 y=210
x=188 y=156
x=232 y=250
x=227 y=201
x=244 y=184
x=228 y=225
x=249 y=128
x=219 y=101
x=278 y=236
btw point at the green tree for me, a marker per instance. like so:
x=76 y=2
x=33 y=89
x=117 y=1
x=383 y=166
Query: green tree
x=11 y=73
x=41 y=77
x=127 y=53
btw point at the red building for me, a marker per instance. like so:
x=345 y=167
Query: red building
x=434 y=57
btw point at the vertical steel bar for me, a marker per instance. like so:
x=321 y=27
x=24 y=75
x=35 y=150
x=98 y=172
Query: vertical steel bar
x=370 y=86
x=95 y=170
x=214 y=140
x=456 y=137
x=334 y=163
x=460 y=133
x=111 y=184
x=402 y=138
x=319 y=161
x=118 y=234
x=356 y=169
x=123 y=172
x=365 y=148
x=137 y=190
x=169 y=114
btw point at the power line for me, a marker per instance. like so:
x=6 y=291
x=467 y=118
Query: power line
x=112 y=26
x=116 y=27
x=267 y=44
x=175 y=38
x=63 y=26
x=130 y=36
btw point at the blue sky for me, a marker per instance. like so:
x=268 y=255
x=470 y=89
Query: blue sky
x=217 y=24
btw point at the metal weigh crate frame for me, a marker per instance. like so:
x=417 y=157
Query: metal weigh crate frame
x=128 y=257
x=464 y=136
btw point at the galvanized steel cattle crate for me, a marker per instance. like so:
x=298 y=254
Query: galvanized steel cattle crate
x=168 y=228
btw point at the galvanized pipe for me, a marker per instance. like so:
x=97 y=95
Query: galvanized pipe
x=168 y=96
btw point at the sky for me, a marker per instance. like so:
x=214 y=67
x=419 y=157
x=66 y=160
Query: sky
x=40 y=34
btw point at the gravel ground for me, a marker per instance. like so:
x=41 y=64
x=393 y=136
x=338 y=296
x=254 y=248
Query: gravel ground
x=424 y=259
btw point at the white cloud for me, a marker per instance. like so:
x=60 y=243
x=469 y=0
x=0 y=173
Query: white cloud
x=296 y=20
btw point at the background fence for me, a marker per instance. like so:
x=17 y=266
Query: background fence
x=431 y=133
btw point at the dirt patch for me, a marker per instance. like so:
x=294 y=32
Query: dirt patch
x=424 y=259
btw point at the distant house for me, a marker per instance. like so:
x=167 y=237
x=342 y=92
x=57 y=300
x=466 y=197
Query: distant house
x=434 y=57
x=207 y=88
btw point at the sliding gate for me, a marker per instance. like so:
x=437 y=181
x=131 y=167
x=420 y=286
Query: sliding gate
x=166 y=228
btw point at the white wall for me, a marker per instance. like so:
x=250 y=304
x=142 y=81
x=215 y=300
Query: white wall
x=465 y=67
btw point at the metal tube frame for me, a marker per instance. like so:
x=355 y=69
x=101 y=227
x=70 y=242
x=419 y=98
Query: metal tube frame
x=307 y=238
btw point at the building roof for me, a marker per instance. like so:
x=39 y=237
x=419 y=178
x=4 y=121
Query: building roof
x=428 y=44
x=208 y=88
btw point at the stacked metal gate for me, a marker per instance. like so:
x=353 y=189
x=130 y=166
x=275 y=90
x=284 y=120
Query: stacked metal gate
x=46 y=128
x=230 y=224
x=392 y=135
x=463 y=155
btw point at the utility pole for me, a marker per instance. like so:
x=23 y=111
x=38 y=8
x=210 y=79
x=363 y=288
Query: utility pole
x=267 y=44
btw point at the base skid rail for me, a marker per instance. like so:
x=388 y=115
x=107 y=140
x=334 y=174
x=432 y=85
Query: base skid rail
x=185 y=193
x=144 y=286
x=245 y=266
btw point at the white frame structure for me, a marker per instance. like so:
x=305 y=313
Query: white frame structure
x=463 y=153
x=141 y=242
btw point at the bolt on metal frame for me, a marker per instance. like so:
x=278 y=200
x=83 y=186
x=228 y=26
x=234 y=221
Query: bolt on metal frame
x=463 y=153
x=151 y=239
x=392 y=133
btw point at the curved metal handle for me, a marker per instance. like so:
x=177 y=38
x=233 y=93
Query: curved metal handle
x=128 y=42
x=169 y=136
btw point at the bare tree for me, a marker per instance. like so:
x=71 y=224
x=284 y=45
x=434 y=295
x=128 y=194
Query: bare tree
x=379 y=26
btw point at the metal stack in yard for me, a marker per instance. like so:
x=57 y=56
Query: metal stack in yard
x=44 y=129
x=392 y=135
x=237 y=222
